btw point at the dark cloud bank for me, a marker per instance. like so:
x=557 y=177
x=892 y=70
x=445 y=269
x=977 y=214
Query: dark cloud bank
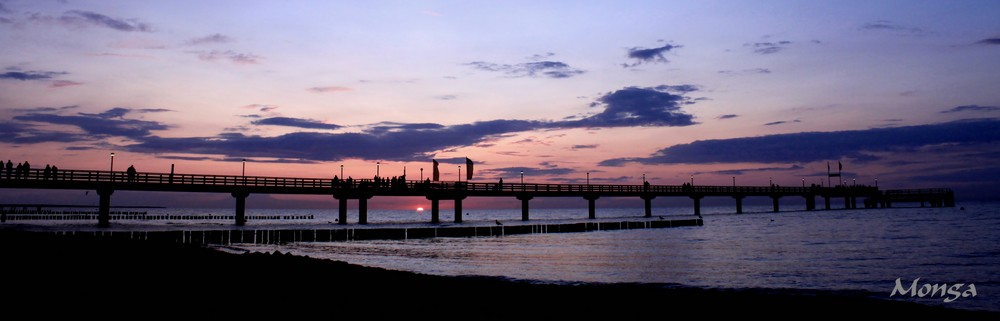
x=627 y=107
x=819 y=146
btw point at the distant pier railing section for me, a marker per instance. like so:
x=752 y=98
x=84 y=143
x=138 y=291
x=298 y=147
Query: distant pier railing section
x=106 y=182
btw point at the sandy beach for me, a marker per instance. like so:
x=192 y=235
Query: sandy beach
x=93 y=276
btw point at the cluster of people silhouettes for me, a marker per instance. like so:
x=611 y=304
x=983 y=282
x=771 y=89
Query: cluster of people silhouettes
x=51 y=172
x=23 y=171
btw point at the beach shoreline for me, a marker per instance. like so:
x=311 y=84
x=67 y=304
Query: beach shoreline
x=85 y=275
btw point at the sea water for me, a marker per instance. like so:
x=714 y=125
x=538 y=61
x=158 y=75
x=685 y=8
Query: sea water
x=861 y=250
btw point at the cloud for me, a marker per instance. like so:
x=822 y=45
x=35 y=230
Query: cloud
x=727 y=116
x=262 y=107
x=446 y=97
x=971 y=108
x=105 y=124
x=515 y=172
x=816 y=146
x=757 y=71
x=592 y=146
x=210 y=39
x=989 y=41
x=45 y=109
x=648 y=55
x=630 y=106
x=295 y=122
x=537 y=57
x=636 y=106
x=782 y=122
x=683 y=89
x=64 y=83
x=766 y=48
x=16 y=74
x=889 y=26
x=79 y=17
x=750 y=170
x=232 y=56
x=550 y=69
x=329 y=89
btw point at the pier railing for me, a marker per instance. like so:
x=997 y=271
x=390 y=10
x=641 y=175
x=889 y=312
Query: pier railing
x=387 y=184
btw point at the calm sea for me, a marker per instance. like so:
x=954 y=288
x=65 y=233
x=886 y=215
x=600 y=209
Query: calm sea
x=858 y=250
x=863 y=250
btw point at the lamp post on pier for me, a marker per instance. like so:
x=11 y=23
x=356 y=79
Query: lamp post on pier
x=112 y=166
x=421 y=174
x=341 y=171
x=377 y=169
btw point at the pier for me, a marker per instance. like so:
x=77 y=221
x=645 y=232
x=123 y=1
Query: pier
x=105 y=183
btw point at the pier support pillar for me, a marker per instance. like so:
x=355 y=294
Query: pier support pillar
x=241 y=207
x=591 y=206
x=847 y=202
x=524 y=205
x=362 y=210
x=774 y=203
x=342 y=211
x=810 y=202
x=435 y=210
x=739 y=204
x=826 y=202
x=697 y=204
x=458 y=209
x=647 y=201
x=104 y=208
x=854 y=202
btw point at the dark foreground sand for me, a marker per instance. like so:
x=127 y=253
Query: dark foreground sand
x=46 y=275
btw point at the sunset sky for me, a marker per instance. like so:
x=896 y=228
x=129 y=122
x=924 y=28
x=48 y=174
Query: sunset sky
x=904 y=91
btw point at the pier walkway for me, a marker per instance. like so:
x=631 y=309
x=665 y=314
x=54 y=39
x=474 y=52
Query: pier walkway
x=105 y=183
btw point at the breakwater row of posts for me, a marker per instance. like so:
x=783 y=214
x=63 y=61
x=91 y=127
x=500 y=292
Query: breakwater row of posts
x=283 y=236
x=137 y=216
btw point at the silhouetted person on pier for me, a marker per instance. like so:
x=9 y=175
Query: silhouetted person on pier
x=335 y=182
x=10 y=168
x=55 y=170
x=46 y=172
x=26 y=169
x=131 y=173
x=500 y=184
x=17 y=171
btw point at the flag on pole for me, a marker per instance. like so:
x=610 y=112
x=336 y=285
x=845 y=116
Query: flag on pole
x=840 y=167
x=468 y=168
x=437 y=174
x=827 y=168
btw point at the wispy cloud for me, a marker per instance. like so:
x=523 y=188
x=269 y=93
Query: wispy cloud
x=892 y=27
x=210 y=39
x=989 y=41
x=295 y=122
x=330 y=89
x=261 y=107
x=754 y=71
x=232 y=56
x=446 y=97
x=727 y=116
x=80 y=18
x=590 y=146
x=14 y=73
x=780 y=122
x=549 y=69
x=770 y=47
x=970 y=108
x=648 y=55
x=64 y=83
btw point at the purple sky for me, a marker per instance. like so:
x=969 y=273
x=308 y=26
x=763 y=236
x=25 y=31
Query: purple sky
x=902 y=91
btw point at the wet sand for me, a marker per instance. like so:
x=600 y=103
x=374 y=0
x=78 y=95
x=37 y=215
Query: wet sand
x=44 y=274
